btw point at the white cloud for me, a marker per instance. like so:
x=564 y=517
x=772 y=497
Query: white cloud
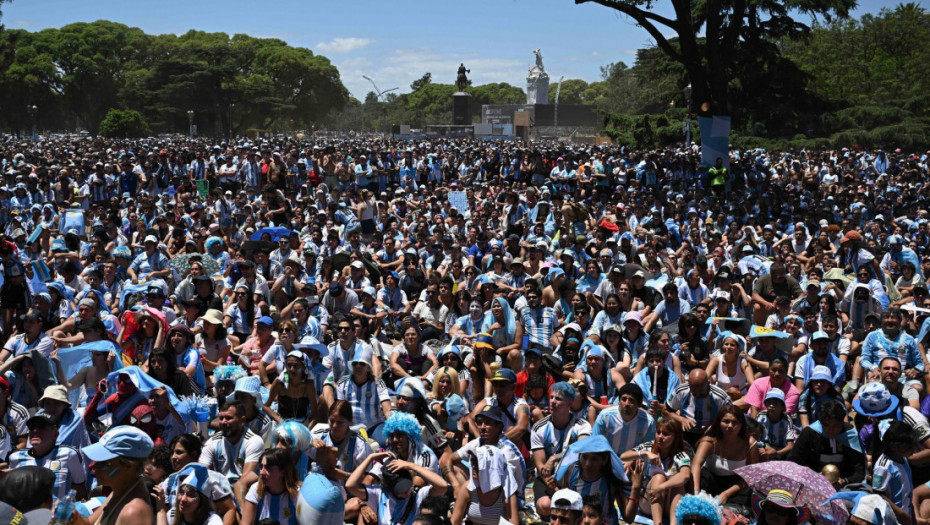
x=343 y=45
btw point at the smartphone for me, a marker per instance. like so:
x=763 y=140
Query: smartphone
x=526 y=342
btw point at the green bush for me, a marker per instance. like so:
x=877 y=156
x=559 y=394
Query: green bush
x=124 y=123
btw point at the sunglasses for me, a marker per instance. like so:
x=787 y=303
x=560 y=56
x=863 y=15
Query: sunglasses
x=344 y=328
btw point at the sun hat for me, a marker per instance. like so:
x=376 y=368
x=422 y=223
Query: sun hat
x=783 y=499
x=55 y=393
x=213 y=316
x=250 y=385
x=875 y=401
x=636 y=317
x=121 y=441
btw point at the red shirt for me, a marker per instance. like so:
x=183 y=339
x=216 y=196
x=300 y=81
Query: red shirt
x=522 y=377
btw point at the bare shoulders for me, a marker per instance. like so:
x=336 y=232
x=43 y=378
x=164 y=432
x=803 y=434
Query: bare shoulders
x=136 y=511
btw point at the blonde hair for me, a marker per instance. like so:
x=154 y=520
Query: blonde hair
x=452 y=374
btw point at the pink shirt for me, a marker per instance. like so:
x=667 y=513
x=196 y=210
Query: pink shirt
x=760 y=387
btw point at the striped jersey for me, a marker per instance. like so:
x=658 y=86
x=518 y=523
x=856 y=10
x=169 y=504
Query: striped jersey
x=63 y=461
x=229 y=458
x=365 y=399
x=516 y=405
x=701 y=409
x=539 y=325
x=15 y=420
x=777 y=433
x=279 y=507
x=894 y=480
x=599 y=487
x=553 y=440
x=624 y=435
x=515 y=462
x=350 y=452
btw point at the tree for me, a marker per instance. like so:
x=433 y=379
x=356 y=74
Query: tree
x=124 y=123
x=422 y=81
x=572 y=91
x=735 y=32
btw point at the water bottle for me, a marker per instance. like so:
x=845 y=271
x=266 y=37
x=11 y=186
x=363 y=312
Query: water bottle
x=64 y=509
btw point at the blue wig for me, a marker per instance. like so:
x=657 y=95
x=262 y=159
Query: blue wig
x=701 y=504
x=403 y=422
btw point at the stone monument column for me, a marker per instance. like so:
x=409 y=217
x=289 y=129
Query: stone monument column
x=537 y=82
x=461 y=101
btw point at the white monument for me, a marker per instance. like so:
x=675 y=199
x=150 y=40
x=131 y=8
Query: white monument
x=537 y=82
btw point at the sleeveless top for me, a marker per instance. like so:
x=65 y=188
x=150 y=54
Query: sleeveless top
x=738 y=380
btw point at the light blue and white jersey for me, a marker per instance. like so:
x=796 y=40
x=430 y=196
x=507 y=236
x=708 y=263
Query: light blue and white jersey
x=552 y=440
x=65 y=462
x=279 y=507
x=894 y=480
x=350 y=452
x=777 y=433
x=18 y=346
x=701 y=409
x=539 y=325
x=878 y=345
x=365 y=399
x=600 y=489
x=624 y=435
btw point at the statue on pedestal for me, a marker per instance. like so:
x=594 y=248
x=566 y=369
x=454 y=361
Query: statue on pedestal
x=461 y=80
x=537 y=82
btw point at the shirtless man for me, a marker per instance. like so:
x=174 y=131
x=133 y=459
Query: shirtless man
x=117 y=464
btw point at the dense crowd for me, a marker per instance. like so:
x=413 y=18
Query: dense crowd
x=338 y=329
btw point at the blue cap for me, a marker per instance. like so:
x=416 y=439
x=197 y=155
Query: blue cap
x=265 y=320
x=122 y=441
x=775 y=393
x=821 y=373
x=819 y=335
x=504 y=374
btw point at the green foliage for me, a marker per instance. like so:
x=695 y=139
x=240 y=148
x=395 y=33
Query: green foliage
x=422 y=81
x=124 y=123
x=231 y=83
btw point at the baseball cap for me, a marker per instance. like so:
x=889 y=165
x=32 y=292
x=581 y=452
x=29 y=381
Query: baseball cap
x=775 y=393
x=265 y=320
x=820 y=335
x=821 y=373
x=150 y=238
x=41 y=419
x=491 y=412
x=504 y=374
x=566 y=499
x=357 y=265
x=121 y=441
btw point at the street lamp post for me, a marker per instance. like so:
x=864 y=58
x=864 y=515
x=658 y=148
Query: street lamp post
x=33 y=111
x=190 y=123
x=378 y=94
x=688 y=91
x=558 y=90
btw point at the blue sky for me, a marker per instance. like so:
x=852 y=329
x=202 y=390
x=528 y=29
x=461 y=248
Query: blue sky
x=392 y=42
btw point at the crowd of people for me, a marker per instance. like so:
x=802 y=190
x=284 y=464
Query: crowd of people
x=362 y=330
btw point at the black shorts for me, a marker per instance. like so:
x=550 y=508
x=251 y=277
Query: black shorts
x=14 y=296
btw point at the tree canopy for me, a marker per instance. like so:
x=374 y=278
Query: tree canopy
x=716 y=41
x=82 y=70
